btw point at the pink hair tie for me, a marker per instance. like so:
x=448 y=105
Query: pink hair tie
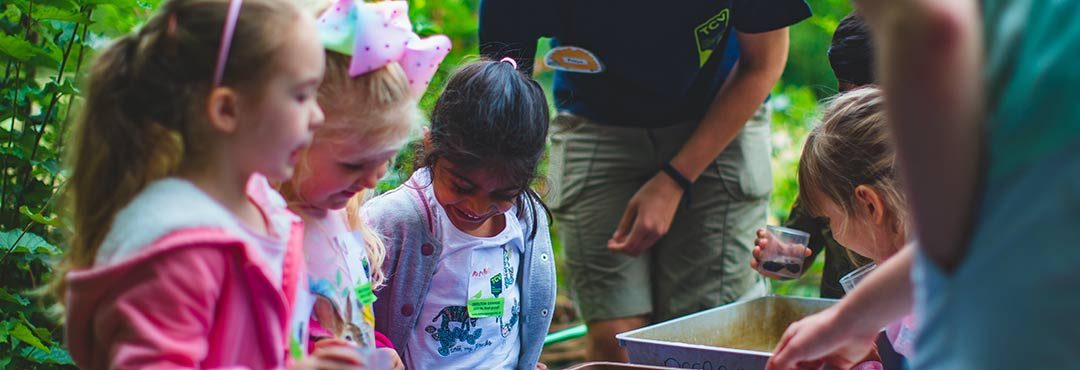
x=509 y=60
x=226 y=40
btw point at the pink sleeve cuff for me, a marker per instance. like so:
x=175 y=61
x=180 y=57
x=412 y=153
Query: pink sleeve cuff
x=381 y=341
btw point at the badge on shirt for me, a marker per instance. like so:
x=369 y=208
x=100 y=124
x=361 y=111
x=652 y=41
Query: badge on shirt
x=486 y=284
x=709 y=34
x=573 y=59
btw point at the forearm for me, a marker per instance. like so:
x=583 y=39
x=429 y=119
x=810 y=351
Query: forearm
x=884 y=296
x=930 y=53
x=740 y=96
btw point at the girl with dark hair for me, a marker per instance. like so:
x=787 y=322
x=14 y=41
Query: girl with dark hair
x=470 y=276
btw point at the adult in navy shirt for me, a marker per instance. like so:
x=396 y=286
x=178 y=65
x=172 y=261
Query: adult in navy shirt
x=660 y=151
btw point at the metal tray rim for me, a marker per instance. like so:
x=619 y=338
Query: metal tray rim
x=626 y=337
x=696 y=346
x=733 y=304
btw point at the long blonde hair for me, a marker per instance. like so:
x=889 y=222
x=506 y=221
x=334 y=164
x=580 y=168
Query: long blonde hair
x=852 y=147
x=375 y=107
x=145 y=106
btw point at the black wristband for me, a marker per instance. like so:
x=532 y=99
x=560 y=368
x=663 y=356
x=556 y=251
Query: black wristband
x=683 y=182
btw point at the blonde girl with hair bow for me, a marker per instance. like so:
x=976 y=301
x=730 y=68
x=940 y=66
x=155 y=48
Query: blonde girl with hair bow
x=377 y=69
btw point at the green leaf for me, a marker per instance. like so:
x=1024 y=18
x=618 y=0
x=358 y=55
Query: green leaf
x=66 y=88
x=16 y=152
x=53 y=13
x=49 y=56
x=30 y=243
x=49 y=165
x=44 y=334
x=17 y=47
x=62 y=4
x=23 y=333
x=12 y=13
x=53 y=356
x=5 y=330
x=114 y=20
x=4 y=362
x=117 y=3
x=13 y=298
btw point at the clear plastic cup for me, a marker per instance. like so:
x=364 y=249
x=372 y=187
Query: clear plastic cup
x=377 y=360
x=854 y=277
x=783 y=256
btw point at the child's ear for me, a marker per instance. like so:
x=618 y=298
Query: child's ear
x=221 y=109
x=870 y=201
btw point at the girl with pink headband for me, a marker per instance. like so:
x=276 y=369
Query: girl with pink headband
x=182 y=256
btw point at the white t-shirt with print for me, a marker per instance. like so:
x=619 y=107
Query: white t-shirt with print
x=338 y=266
x=445 y=336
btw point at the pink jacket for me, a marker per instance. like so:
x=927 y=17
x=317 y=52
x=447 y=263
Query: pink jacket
x=176 y=286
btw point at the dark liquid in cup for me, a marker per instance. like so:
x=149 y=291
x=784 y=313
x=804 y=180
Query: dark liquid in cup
x=771 y=266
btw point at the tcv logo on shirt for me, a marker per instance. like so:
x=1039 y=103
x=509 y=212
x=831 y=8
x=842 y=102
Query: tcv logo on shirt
x=710 y=33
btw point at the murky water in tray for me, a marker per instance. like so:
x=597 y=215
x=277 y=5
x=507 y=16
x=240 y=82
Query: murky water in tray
x=759 y=330
x=756 y=327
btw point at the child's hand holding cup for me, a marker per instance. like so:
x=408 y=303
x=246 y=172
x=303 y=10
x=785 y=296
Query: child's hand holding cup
x=779 y=252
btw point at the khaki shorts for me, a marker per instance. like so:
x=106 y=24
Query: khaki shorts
x=703 y=261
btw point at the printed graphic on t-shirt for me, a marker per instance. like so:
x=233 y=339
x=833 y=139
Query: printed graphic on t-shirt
x=573 y=59
x=710 y=33
x=505 y=328
x=340 y=281
x=508 y=269
x=456 y=332
x=460 y=329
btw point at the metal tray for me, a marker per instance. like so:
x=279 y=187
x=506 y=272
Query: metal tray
x=738 y=336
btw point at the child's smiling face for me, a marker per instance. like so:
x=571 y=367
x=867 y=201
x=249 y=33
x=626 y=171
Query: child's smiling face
x=335 y=171
x=474 y=199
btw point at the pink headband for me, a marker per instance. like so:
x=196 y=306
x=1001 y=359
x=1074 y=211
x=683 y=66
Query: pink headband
x=377 y=34
x=226 y=40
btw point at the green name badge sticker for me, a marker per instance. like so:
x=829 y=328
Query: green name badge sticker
x=295 y=350
x=485 y=307
x=365 y=294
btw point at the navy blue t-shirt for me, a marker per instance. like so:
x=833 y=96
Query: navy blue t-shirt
x=652 y=53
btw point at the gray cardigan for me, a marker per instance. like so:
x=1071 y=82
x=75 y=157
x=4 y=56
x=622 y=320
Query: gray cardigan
x=401 y=217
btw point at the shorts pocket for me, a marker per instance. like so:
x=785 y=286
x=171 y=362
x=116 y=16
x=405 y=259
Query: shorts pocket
x=745 y=165
x=569 y=162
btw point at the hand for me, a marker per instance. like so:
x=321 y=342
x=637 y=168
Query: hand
x=331 y=357
x=541 y=366
x=648 y=216
x=824 y=338
x=764 y=246
x=390 y=358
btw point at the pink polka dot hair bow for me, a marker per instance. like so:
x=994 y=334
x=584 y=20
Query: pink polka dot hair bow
x=377 y=34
